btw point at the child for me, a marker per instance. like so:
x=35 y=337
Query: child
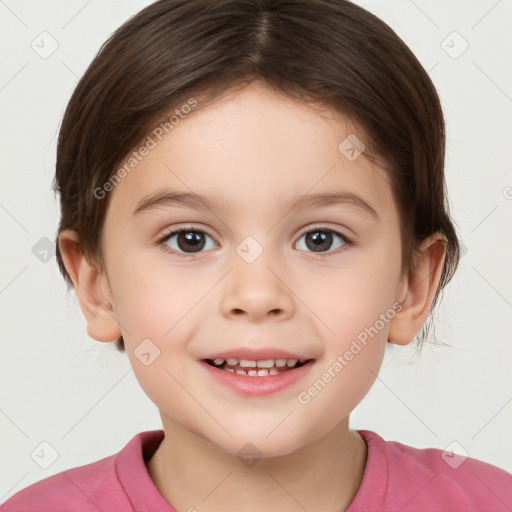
x=247 y=189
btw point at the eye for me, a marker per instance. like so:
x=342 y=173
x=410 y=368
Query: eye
x=320 y=239
x=187 y=241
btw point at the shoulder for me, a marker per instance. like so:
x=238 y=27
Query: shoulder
x=70 y=490
x=91 y=487
x=435 y=479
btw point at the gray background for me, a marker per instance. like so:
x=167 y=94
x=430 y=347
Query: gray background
x=59 y=386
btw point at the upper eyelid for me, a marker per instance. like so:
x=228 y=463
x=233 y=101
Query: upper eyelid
x=175 y=231
x=348 y=241
x=319 y=226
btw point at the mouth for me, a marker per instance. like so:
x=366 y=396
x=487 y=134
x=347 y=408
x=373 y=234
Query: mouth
x=257 y=368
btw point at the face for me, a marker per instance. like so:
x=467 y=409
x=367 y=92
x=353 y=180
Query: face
x=252 y=277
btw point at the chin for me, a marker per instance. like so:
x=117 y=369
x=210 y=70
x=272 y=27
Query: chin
x=258 y=443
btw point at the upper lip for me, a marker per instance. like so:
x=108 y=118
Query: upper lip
x=260 y=354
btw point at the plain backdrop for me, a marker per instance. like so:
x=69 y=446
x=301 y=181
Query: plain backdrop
x=59 y=386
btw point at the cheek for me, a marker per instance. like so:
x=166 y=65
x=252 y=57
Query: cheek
x=356 y=310
x=158 y=314
x=353 y=298
x=155 y=301
x=339 y=386
x=354 y=351
x=157 y=324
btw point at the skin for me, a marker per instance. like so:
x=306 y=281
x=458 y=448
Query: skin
x=257 y=149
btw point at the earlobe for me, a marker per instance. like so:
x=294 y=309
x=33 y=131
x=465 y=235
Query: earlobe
x=92 y=289
x=420 y=289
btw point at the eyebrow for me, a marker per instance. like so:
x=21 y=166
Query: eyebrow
x=167 y=197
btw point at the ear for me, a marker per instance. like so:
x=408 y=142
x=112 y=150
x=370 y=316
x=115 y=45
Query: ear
x=418 y=290
x=92 y=289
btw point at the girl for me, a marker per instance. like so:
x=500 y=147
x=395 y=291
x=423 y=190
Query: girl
x=253 y=205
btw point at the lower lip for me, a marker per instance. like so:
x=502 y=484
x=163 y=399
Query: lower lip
x=257 y=386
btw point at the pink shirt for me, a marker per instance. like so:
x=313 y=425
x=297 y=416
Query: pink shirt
x=396 y=478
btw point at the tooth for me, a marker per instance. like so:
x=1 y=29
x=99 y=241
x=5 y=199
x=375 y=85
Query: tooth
x=273 y=371
x=240 y=372
x=252 y=373
x=280 y=362
x=245 y=363
x=263 y=372
x=232 y=361
x=267 y=363
x=291 y=362
x=218 y=361
x=230 y=370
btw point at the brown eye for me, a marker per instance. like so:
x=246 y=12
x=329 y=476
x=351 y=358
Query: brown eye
x=322 y=240
x=188 y=241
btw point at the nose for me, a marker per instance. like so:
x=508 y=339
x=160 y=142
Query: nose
x=257 y=290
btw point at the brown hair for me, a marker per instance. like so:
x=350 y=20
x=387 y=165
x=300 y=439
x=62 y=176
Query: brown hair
x=331 y=52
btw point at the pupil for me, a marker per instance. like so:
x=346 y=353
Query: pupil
x=321 y=240
x=192 y=238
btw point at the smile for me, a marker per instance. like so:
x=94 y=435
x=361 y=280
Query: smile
x=256 y=377
x=253 y=368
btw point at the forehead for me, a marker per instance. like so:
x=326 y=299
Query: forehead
x=251 y=146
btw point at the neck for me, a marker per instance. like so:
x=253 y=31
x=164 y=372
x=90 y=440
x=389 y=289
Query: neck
x=192 y=473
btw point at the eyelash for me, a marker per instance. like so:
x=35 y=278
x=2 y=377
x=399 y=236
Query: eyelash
x=161 y=242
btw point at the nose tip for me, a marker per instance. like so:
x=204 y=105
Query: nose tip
x=256 y=291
